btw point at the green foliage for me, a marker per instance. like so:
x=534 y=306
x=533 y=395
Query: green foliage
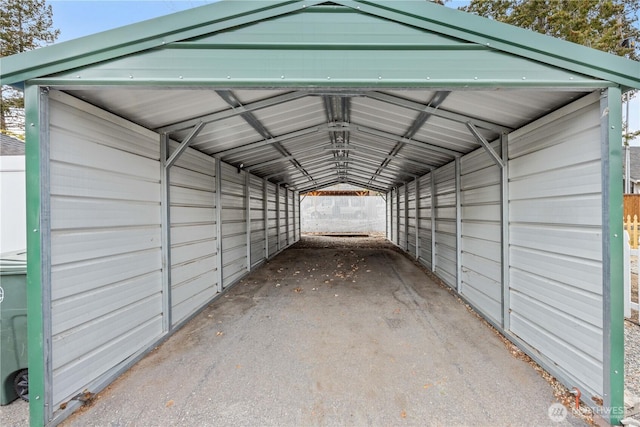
x=607 y=25
x=24 y=25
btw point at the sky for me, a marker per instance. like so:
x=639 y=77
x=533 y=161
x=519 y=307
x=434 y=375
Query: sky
x=76 y=18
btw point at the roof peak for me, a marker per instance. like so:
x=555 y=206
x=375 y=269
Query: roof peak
x=228 y=15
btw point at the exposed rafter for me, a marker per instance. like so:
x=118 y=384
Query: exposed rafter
x=232 y=112
x=438 y=112
x=418 y=122
x=253 y=121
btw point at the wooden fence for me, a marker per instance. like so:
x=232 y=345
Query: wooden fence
x=631 y=205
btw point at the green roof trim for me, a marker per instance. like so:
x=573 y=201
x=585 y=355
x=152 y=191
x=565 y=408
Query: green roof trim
x=230 y=15
x=138 y=37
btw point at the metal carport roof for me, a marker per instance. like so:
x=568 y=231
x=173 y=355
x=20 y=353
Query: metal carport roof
x=328 y=110
x=308 y=94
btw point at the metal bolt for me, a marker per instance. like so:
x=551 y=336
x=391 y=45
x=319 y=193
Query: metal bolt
x=35 y=230
x=524 y=78
x=78 y=76
x=228 y=77
x=32 y=124
x=328 y=78
x=282 y=77
x=130 y=76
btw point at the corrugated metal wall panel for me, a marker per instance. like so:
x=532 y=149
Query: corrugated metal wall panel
x=411 y=210
x=402 y=228
x=193 y=233
x=272 y=211
x=393 y=214
x=256 y=189
x=105 y=243
x=424 y=212
x=234 y=224
x=481 y=194
x=556 y=242
x=282 y=231
x=290 y=218
x=297 y=215
x=445 y=214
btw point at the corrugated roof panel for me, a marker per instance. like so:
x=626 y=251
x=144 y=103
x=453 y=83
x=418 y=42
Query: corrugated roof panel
x=373 y=143
x=511 y=108
x=413 y=152
x=381 y=116
x=294 y=115
x=153 y=108
x=422 y=96
x=247 y=96
x=318 y=139
x=252 y=156
x=223 y=135
x=447 y=134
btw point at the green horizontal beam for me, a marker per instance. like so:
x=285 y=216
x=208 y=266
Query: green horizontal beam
x=326 y=46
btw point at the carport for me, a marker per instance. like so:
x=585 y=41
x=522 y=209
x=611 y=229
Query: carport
x=165 y=161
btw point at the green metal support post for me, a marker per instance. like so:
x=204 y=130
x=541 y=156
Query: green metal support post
x=613 y=333
x=38 y=253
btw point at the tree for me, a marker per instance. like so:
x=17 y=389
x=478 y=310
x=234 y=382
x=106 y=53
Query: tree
x=24 y=25
x=607 y=25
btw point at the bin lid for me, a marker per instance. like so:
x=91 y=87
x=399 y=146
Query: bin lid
x=13 y=262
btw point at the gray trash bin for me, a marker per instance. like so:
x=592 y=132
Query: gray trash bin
x=13 y=327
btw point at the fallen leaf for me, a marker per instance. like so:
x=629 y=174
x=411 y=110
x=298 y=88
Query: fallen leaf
x=169 y=404
x=219 y=333
x=403 y=414
x=297 y=290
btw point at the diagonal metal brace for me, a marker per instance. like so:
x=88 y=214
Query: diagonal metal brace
x=184 y=145
x=485 y=144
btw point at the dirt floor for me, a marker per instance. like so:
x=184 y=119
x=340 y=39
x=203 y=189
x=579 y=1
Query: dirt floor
x=334 y=331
